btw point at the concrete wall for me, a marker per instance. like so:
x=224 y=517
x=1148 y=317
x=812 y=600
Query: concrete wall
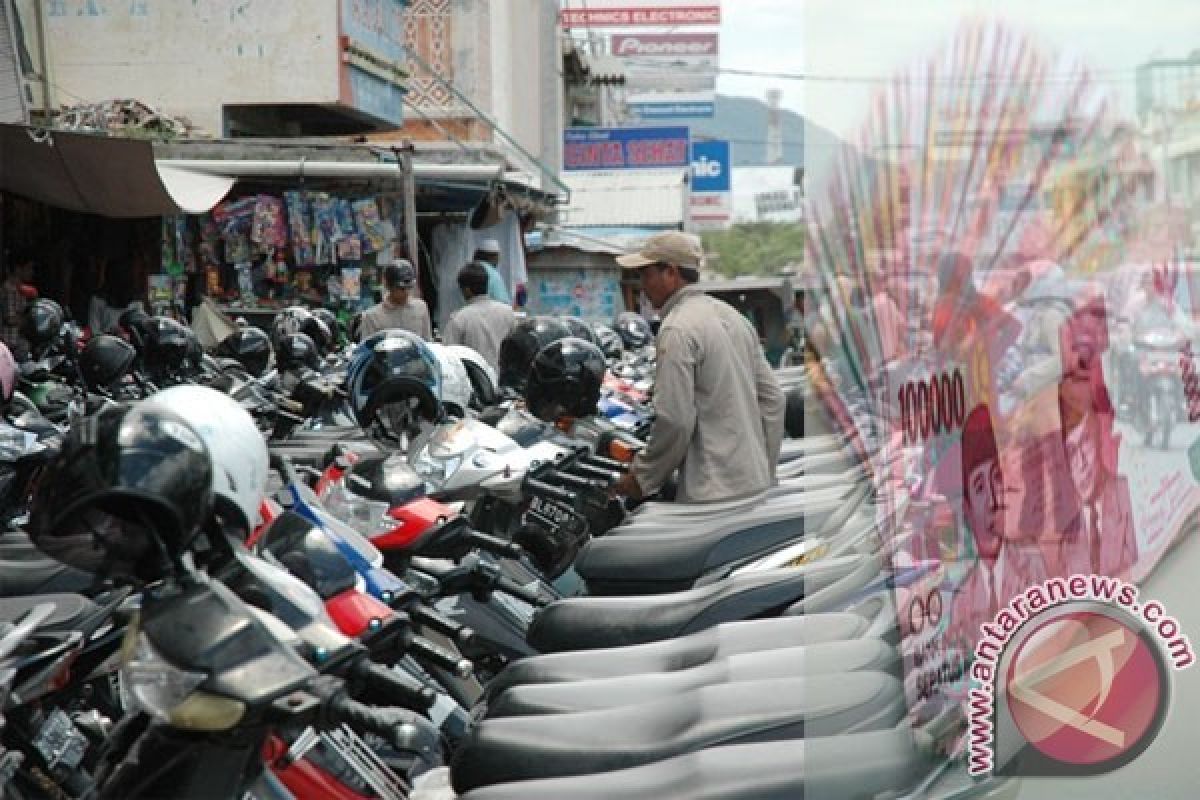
x=190 y=57
x=527 y=92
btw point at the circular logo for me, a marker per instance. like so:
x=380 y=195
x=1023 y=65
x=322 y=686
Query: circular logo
x=1086 y=689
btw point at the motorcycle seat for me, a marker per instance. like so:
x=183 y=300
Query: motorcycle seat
x=865 y=579
x=70 y=610
x=656 y=508
x=647 y=558
x=685 y=652
x=827 y=658
x=873 y=764
x=542 y=746
x=25 y=570
x=823 y=443
x=832 y=462
x=794 y=486
x=802 y=494
x=586 y=623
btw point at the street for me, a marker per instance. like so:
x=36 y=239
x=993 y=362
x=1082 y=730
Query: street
x=1169 y=768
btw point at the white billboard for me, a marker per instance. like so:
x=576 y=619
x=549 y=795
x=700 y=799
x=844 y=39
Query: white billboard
x=640 y=13
x=669 y=75
x=668 y=62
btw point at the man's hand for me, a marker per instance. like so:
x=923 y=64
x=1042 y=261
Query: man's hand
x=627 y=486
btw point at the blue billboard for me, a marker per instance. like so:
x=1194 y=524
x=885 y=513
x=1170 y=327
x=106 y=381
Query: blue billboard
x=626 y=148
x=710 y=166
x=673 y=110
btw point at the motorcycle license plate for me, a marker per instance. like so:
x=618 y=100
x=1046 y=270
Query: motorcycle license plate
x=550 y=510
x=60 y=742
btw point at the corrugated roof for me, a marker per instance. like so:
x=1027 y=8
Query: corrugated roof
x=649 y=198
x=582 y=242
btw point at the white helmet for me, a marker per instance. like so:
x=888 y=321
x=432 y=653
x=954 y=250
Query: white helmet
x=456 y=384
x=238 y=449
x=480 y=372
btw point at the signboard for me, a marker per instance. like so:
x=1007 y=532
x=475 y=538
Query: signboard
x=625 y=148
x=686 y=48
x=669 y=75
x=589 y=294
x=711 y=202
x=672 y=105
x=668 y=62
x=642 y=14
x=373 y=53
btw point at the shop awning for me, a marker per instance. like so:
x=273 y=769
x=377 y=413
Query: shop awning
x=101 y=175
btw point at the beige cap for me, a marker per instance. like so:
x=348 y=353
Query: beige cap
x=669 y=247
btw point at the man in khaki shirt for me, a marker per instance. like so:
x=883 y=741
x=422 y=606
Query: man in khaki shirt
x=718 y=407
x=483 y=322
x=399 y=308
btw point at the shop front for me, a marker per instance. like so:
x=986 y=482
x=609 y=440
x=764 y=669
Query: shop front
x=253 y=226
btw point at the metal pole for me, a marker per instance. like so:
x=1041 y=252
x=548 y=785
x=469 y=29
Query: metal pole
x=409 y=182
x=47 y=82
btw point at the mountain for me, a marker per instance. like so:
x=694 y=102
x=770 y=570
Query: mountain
x=743 y=121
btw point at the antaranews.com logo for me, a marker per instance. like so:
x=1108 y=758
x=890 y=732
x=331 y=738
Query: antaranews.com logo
x=1071 y=678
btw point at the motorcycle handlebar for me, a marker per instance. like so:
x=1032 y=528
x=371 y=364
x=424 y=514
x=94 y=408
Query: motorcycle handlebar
x=426 y=617
x=424 y=650
x=577 y=482
x=594 y=476
x=556 y=492
x=605 y=463
x=393 y=687
x=494 y=544
x=383 y=722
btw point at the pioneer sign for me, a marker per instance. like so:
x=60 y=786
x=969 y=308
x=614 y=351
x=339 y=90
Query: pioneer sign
x=669 y=75
x=667 y=46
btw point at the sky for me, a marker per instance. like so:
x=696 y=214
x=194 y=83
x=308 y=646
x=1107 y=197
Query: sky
x=877 y=38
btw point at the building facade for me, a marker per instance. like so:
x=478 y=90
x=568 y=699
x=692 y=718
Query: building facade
x=295 y=68
x=440 y=70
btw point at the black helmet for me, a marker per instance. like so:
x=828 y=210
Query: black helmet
x=565 y=380
x=393 y=378
x=522 y=345
x=581 y=330
x=296 y=350
x=609 y=340
x=43 y=322
x=633 y=329
x=297 y=319
x=124 y=477
x=248 y=346
x=137 y=325
x=167 y=348
x=330 y=321
x=105 y=360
